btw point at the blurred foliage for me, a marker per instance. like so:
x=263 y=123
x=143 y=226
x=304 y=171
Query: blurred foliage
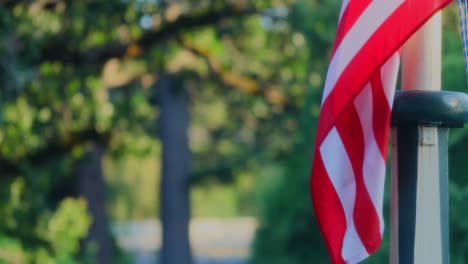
x=60 y=233
x=287 y=231
x=78 y=73
x=74 y=73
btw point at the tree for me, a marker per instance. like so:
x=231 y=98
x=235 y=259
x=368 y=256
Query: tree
x=58 y=55
x=175 y=207
x=91 y=186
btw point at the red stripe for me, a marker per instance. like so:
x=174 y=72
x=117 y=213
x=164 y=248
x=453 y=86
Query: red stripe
x=384 y=43
x=381 y=113
x=366 y=219
x=351 y=14
x=328 y=209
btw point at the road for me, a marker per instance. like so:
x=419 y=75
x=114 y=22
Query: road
x=213 y=241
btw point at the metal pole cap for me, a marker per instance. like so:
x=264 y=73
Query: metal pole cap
x=430 y=108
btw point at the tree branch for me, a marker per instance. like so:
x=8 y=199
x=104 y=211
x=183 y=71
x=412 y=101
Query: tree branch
x=59 y=50
x=242 y=83
x=44 y=4
x=54 y=149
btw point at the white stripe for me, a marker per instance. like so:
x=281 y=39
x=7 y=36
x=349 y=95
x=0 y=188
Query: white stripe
x=374 y=164
x=367 y=24
x=342 y=177
x=343 y=7
x=389 y=74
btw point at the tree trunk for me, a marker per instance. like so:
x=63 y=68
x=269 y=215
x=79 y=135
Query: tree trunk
x=175 y=207
x=91 y=186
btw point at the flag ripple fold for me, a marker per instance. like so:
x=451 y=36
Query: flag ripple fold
x=348 y=170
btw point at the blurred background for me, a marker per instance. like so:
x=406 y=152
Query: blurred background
x=174 y=132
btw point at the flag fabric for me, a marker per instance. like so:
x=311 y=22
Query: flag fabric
x=347 y=179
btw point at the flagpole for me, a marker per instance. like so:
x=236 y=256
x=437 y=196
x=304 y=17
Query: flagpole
x=421 y=116
x=419 y=205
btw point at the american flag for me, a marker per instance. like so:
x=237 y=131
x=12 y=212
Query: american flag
x=347 y=181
